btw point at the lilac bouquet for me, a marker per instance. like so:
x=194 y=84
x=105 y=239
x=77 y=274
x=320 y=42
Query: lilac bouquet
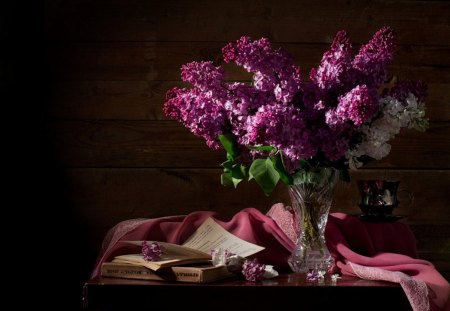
x=279 y=126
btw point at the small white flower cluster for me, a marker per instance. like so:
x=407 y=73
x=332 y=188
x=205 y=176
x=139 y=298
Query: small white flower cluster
x=251 y=269
x=394 y=115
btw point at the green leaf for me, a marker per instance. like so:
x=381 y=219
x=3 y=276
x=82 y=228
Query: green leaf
x=228 y=164
x=236 y=181
x=226 y=179
x=313 y=176
x=229 y=144
x=265 y=148
x=265 y=174
x=238 y=173
x=279 y=166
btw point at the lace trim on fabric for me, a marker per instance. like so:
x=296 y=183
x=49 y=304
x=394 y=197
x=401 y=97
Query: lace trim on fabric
x=416 y=290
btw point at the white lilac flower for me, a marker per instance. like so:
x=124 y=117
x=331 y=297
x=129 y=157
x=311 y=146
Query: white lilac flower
x=394 y=116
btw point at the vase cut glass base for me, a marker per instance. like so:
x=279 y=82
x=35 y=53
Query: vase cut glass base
x=311 y=198
x=305 y=259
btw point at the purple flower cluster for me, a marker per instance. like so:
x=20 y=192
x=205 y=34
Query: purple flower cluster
x=273 y=70
x=199 y=111
x=203 y=75
x=253 y=270
x=403 y=88
x=358 y=106
x=315 y=275
x=374 y=57
x=334 y=69
x=151 y=252
x=312 y=276
x=305 y=120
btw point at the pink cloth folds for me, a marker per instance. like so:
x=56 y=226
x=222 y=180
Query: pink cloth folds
x=379 y=251
x=249 y=224
x=386 y=251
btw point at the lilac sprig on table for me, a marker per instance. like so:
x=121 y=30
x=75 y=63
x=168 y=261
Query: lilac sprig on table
x=335 y=277
x=315 y=275
x=253 y=270
x=151 y=252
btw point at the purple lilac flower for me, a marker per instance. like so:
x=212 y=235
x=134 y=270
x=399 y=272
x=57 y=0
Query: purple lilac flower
x=282 y=127
x=253 y=271
x=359 y=105
x=333 y=71
x=312 y=276
x=374 y=57
x=289 y=84
x=242 y=102
x=203 y=75
x=273 y=70
x=315 y=101
x=252 y=55
x=334 y=143
x=401 y=90
x=199 y=111
x=151 y=252
x=174 y=103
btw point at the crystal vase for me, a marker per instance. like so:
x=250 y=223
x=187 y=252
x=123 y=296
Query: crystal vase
x=311 y=197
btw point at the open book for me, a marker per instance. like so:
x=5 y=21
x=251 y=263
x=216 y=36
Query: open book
x=172 y=255
x=209 y=236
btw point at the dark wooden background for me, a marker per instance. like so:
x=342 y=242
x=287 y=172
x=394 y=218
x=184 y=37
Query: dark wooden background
x=115 y=156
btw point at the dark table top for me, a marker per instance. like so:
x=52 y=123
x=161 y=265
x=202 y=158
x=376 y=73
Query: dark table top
x=348 y=293
x=293 y=279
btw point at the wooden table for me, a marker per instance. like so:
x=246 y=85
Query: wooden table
x=284 y=292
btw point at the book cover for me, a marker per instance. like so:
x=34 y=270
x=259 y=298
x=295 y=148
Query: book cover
x=204 y=273
x=201 y=274
x=168 y=259
x=130 y=271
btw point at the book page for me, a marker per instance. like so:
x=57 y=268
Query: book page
x=211 y=236
x=174 y=250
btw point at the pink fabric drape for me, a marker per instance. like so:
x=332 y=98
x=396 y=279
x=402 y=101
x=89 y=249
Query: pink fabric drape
x=382 y=251
x=249 y=224
x=386 y=251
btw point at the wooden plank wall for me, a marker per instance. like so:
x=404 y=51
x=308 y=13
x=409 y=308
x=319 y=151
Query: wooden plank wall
x=111 y=62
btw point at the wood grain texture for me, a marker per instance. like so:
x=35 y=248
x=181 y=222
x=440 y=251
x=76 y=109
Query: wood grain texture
x=148 y=61
x=433 y=244
x=110 y=62
x=105 y=196
x=169 y=144
x=417 y=22
x=143 y=100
